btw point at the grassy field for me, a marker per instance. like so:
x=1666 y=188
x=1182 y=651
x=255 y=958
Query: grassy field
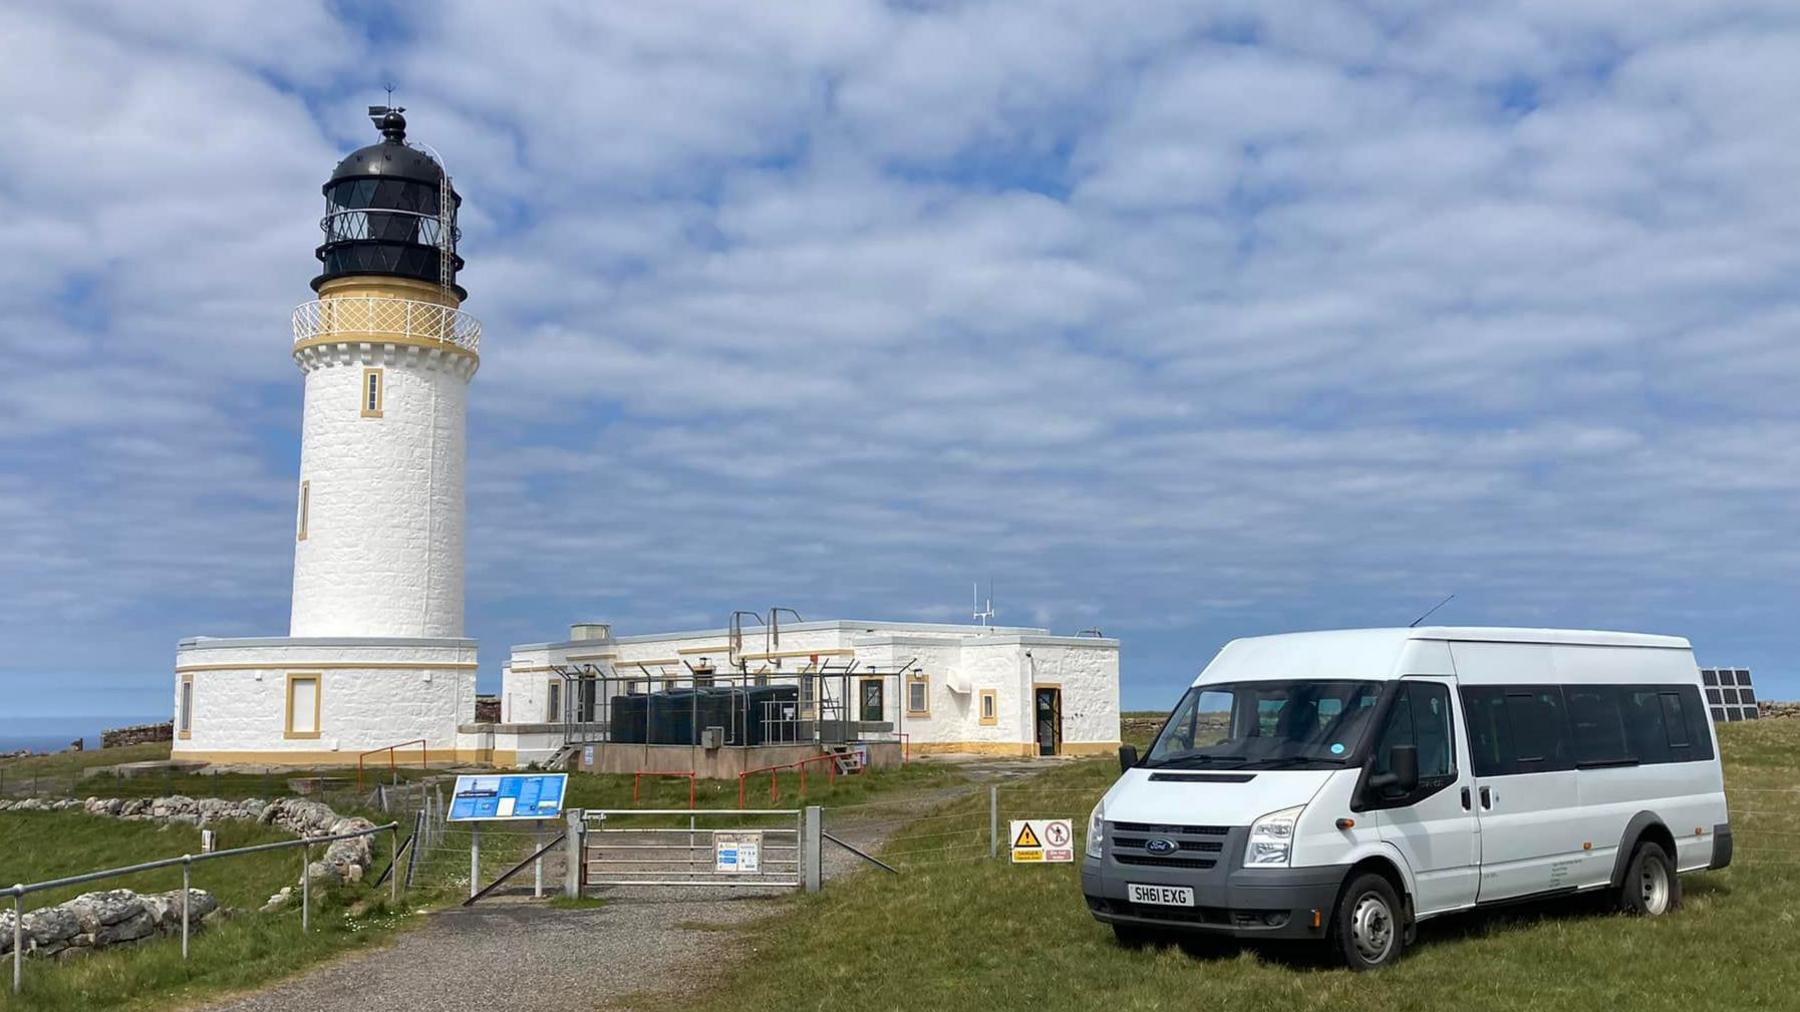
x=254 y=948
x=956 y=931
x=240 y=952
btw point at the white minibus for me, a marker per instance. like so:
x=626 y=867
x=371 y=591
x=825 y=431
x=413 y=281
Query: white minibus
x=1344 y=786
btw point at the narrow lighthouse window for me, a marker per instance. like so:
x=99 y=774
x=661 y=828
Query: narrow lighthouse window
x=305 y=504
x=371 y=393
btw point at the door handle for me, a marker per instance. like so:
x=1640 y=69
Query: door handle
x=1487 y=799
x=1465 y=799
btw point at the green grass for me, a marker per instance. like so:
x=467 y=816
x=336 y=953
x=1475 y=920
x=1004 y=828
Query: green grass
x=957 y=930
x=254 y=949
x=247 y=949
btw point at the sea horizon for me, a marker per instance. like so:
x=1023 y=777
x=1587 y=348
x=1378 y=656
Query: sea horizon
x=54 y=734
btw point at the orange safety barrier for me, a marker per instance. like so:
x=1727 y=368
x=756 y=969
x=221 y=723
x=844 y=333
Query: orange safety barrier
x=774 y=786
x=692 y=779
x=424 y=758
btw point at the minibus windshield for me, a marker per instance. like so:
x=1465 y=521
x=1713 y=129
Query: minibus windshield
x=1267 y=724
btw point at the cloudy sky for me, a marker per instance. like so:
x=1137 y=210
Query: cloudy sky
x=1210 y=320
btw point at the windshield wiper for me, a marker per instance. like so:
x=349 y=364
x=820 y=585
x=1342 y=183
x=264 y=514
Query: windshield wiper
x=1285 y=761
x=1196 y=759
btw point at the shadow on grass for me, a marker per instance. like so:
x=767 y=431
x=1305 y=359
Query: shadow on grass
x=1494 y=922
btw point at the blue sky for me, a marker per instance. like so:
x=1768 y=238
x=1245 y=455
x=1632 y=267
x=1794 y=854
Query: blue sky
x=1214 y=320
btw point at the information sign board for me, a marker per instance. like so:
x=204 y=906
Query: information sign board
x=738 y=853
x=500 y=797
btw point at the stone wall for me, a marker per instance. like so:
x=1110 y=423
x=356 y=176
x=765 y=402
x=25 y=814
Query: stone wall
x=100 y=919
x=137 y=734
x=343 y=860
x=487 y=709
x=1779 y=710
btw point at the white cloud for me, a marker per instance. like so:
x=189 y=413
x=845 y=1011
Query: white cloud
x=1188 y=323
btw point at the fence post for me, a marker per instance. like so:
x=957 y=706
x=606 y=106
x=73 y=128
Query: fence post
x=187 y=868
x=305 y=887
x=537 y=866
x=993 y=820
x=18 y=933
x=394 y=865
x=474 y=859
x=572 y=844
x=812 y=849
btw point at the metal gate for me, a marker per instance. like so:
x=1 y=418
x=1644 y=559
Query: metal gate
x=770 y=848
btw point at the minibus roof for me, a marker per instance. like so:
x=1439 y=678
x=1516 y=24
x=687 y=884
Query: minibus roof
x=1385 y=653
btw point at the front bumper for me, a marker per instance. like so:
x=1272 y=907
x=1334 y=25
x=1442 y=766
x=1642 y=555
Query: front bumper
x=1242 y=902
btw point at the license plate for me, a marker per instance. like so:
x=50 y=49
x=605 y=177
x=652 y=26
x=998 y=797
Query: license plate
x=1162 y=896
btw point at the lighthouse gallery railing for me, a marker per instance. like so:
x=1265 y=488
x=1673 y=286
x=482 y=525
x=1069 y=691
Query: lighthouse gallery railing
x=356 y=316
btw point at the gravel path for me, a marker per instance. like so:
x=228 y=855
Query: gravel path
x=511 y=952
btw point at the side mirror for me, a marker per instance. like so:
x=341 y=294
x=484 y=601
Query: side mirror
x=1402 y=776
x=1128 y=757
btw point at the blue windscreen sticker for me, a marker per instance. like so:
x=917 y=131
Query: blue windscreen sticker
x=1337 y=748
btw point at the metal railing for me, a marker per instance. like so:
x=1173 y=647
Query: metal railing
x=187 y=861
x=393 y=767
x=374 y=316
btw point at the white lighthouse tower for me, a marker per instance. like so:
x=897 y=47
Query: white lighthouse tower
x=375 y=654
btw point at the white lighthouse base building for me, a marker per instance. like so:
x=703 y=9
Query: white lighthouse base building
x=322 y=701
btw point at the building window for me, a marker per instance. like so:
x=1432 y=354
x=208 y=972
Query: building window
x=990 y=707
x=184 y=710
x=553 y=706
x=918 y=696
x=303 y=701
x=371 y=393
x=305 y=508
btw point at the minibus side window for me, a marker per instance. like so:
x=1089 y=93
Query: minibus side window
x=1698 y=731
x=1420 y=717
x=1485 y=710
x=1646 y=725
x=1596 y=725
x=1539 y=729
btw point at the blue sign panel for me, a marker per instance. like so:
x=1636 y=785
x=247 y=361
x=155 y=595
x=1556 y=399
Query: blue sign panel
x=485 y=797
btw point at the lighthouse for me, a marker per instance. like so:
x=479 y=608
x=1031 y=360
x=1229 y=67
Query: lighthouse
x=388 y=355
x=375 y=654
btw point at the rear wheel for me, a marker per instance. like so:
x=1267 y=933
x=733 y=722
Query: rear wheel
x=1651 y=887
x=1368 y=928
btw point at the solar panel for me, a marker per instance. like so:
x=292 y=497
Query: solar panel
x=1729 y=694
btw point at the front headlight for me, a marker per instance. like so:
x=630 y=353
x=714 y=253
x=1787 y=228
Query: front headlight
x=1272 y=839
x=1096 y=833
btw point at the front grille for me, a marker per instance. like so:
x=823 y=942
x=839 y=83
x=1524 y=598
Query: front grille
x=1165 y=862
x=1150 y=827
x=1204 y=846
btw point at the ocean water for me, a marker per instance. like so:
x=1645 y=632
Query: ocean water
x=53 y=734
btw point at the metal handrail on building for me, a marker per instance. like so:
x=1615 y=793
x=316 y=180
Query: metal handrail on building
x=366 y=316
x=186 y=861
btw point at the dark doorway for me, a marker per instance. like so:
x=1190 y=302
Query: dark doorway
x=872 y=699
x=587 y=696
x=1049 y=720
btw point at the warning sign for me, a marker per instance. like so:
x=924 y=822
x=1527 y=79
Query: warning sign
x=1042 y=841
x=737 y=853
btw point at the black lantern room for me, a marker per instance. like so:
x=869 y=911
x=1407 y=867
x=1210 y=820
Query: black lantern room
x=384 y=212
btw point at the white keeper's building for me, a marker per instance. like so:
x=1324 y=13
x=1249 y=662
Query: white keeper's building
x=376 y=655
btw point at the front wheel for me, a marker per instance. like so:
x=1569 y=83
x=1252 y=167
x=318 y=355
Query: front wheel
x=1368 y=929
x=1651 y=887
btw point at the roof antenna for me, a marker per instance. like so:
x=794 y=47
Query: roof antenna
x=1435 y=607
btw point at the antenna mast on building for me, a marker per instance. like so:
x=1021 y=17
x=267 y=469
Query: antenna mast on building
x=983 y=615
